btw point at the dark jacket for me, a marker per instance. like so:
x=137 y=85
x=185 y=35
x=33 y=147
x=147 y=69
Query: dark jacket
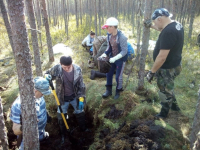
x=78 y=85
x=122 y=46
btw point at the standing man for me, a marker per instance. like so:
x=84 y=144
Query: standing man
x=167 y=58
x=41 y=86
x=117 y=51
x=70 y=89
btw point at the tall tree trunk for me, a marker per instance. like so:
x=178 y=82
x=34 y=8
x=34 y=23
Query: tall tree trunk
x=48 y=35
x=7 y=23
x=139 y=16
x=3 y=134
x=133 y=16
x=34 y=38
x=161 y=3
x=81 y=11
x=38 y=19
x=195 y=134
x=99 y=15
x=145 y=44
x=192 y=15
x=54 y=13
x=49 y=11
x=76 y=11
x=25 y=77
x=95 y=16
x=65 y=16
x=174 y=9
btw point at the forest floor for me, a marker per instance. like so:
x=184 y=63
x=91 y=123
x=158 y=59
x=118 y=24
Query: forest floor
x=126 y=123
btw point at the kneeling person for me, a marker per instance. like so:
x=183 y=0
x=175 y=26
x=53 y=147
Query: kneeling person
x=41 y=86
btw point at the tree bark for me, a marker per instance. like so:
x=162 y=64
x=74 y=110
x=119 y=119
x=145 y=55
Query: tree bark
x=195 y=136
x=99 y=15
x=161 y=3
x=48 y=35
x=76 y=11
x=192 y=15
x=81 y=12
x=65 y=16
x=34 y=38
x=7 y=23
x=145 y=44
x=25 y=77
x=38 y=19
x=95 y=16
x=3 y=135
x=49 y=11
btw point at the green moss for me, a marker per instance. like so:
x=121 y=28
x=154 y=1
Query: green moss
x=165 y=125
x=141 y=111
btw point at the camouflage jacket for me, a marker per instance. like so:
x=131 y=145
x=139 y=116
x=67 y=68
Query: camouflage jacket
x=78 y=85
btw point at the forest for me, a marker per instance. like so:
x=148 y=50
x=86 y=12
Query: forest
x=36 y=34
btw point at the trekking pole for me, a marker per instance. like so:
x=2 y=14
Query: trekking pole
x=58 y=103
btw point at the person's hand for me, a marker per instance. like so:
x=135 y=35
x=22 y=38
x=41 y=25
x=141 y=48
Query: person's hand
x=150 y=76
x=48 y=77
x=148 y=23
x=103 y=55
x=81 y=103
x=112 y=60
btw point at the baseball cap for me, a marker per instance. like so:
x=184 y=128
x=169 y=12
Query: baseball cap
x=160 y=12
x=41 y=84
x=110 y=22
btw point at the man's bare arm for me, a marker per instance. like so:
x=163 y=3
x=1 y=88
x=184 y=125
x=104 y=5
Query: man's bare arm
x=16 y=128
x=160 y=59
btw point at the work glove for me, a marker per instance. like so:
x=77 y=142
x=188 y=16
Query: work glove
x=48 y=77
x=103 y=55
x=147 y=23
x=112 y=60
x=81 y=103
x=150 y=76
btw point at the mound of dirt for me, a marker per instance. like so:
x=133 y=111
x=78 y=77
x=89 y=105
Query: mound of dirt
x=139 y=135
x=113 y=113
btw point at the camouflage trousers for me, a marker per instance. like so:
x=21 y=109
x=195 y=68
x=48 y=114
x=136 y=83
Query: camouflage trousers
x=165 y=82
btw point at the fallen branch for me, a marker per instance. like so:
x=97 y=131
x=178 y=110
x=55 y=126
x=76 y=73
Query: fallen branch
x=35 y=30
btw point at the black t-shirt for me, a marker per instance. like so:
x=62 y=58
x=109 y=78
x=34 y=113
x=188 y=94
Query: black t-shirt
x=171 y=38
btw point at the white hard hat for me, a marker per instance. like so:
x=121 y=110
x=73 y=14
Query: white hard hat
x=110 y=22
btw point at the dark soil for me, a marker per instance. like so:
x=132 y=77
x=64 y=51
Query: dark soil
x=75 y=139
x=139 y=135
x=113 y=113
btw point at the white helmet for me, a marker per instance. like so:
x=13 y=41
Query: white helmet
x=110 y=22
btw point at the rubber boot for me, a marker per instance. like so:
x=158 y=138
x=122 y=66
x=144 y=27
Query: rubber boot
x=174 y=106
x=80 y=117
x=117 y=94
x=92 y=76
x=108 y=91
x=164 y=110
x=98 y=74
x=62 y=127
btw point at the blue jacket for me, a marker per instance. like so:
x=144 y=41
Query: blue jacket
x=122 y=46
x=130 y=50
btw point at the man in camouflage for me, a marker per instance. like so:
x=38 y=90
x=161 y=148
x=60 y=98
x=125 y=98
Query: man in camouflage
x=167 y=57
x=70 y=89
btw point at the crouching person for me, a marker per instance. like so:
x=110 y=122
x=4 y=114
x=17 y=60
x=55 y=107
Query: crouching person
x=41 y=86
x=70 y=89
x=88 y=41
